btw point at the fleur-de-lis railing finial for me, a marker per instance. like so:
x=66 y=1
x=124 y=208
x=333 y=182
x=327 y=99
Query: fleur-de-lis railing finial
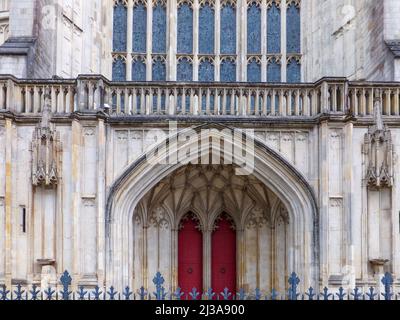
x=97 y=293
x=356 y=294
x=241 y=295
x=293 y=281
x=371 y=294
x=34 y=292
x=387 y=282
x=4 y=292
x=142 y=293
x=127 y=293
x=325 y=294
x=178 y=294
x=274 y=294
x=341 y=294
x=49 y=293
x=81 y=293
x=194 y=294
x=19 y=292
x=226 y=294
x=66 y=281
x=310 y=293
x=210 y=294
x=112 y=293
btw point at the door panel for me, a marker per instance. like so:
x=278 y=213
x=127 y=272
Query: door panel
x=190 y=256
x=223 y=255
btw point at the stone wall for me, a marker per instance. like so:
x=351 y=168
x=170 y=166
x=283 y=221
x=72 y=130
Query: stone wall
x=329 y=155
x=81 y=41
x=345 y=39
x=68 y=38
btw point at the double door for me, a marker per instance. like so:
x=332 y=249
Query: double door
x=223 y=256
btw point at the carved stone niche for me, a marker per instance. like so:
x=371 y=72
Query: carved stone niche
x=378 y=149
x=46 y=149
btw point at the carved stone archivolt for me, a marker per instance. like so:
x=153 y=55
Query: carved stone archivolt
x=378 y=149
x=46 y=149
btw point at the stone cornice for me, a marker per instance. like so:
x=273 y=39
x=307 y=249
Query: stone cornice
x=163 y=120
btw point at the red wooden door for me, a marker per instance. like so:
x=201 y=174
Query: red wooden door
x=190 y=256
x=223 y=255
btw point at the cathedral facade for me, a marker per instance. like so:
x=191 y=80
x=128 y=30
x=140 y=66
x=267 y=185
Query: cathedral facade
x=98 y=98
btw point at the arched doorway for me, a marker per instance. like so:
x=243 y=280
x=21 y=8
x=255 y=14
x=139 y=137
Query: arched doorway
x=202 y=247
x=144 y=181
x=190 y=254
x=223 y=255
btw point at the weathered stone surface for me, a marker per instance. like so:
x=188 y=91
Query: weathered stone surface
x=322 y=200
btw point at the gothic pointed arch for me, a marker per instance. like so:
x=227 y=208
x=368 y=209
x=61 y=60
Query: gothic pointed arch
x=270 y=168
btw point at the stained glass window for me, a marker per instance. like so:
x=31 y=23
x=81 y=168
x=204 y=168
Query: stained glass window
x=139 y=28
x=293 y=28
x=228 y=29
x=254 y=29
x=274 y=71
x=184 y=70
x=159 y=28
x=206 y=71
x=159 y=70
x=254 y=71
x=206 y=29
x=274 y=29
x=228 y=71
x=119 y=70
x=185 y=29
x=139 y=69
x=119 y=27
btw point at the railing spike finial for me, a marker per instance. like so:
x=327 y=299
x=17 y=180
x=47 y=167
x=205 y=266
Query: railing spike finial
x=194 y=294
x=4 y=292
x=127 y=293
x=178 y=293
x=19 y=292
x=142 y=293
x=371 y=293
x=341 y=295
x=310 y=294
x=210 y=294
x=34 y=292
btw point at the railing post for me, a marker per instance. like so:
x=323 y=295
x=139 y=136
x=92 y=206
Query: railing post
x=346 y=98
x=160 y=293
x=81 y=94
x=10 y=95
x=99 y=95
x=66 y=282
x=325 y=107
x=387 y=282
